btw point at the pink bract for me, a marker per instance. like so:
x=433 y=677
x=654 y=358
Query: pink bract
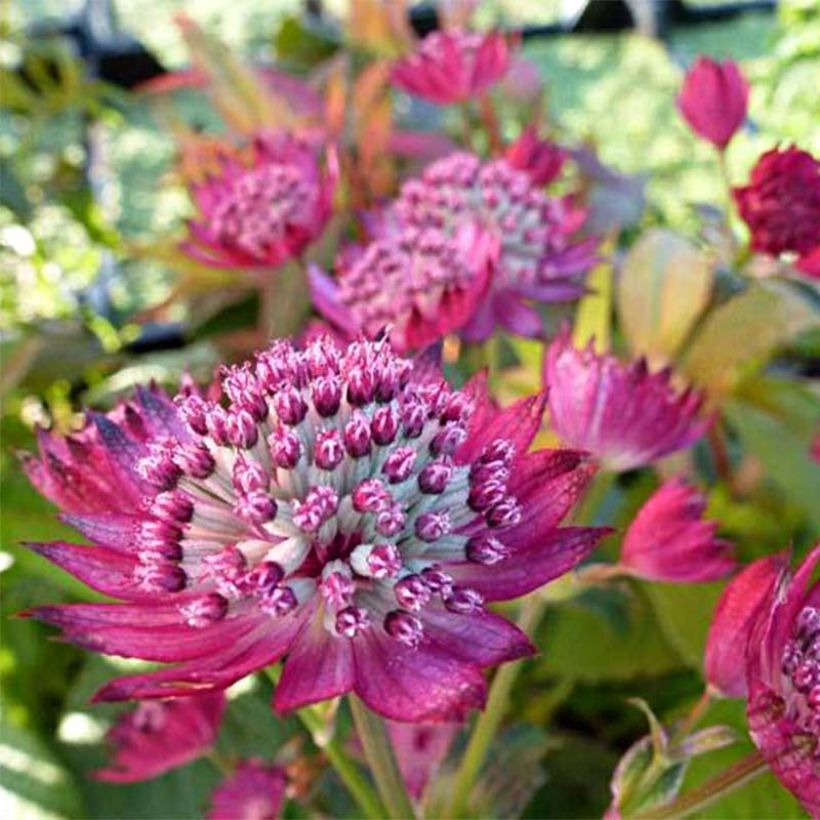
x=453 y=66
x=668 y=540
x=161 y=735
x=625 y=416
x=783 y=676
x=261 y=214
x=540 y=158
x=714 y=100
x=420 y=750
x=725 y=656
x=255 y=791
x=781 y=206
x=343 y=507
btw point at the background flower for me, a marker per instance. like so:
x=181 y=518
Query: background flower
x=255 y=791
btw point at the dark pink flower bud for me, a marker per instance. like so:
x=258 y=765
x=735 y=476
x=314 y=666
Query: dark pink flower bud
x=285 y=448
x=435 y=477
x=361 y=387
x=195 y=460
x=484 y=549
x=376 y=561
x=437 y=580
x=290 y=406
x=326 y=392
x=448 y=440
x=204 y=611
x=486 y=494
x=264 y=576
x=357 y=436
x=192 y=409
x=160 y=538
x=278 y=601
x=256 y=507
x=329 y=449
x=399 y=464
x=714 y=100
x=430 y=526
x=463 y=601
x=241 y=429
x=414 y=416
x=506 y=513
x=160 y=576
x=371 y=496
x=249 y=475
x=319 y=505
x=404 y=627
x=172 y=506
x=352 y=621
x=384 y=426
x=541 y=159
x=391 y=520
x=337 y=589
x=216 y=422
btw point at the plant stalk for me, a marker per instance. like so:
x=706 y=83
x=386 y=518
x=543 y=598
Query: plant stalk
x=704 y=795
x=378 y=752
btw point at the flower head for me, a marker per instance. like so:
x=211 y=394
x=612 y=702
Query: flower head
x=343 y=507
x=255 y=791
x=783 y=678
x=161 y=735
x=541 y=159
x=624 y=415
x=419 y=284
x=668 y=540
x=497 y=210
x=781 y=206
x=260 y=214
x=453 y=66
x=714 y=100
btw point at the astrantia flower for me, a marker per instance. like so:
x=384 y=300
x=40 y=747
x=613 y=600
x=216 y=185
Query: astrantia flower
x=255 y=791
x=624 y=415
x=260 y=214
x=668 y=540
x=540 y=158
x=161 y=735
x=781 y=206
x=342 y=508
x=420 y=284
x=530 y=235
x=453 y=66
x=714 y=100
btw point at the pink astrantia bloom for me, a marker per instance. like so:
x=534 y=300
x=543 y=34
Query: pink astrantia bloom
x=453 y=66
x=161 y=735
x=257 y=215
x=420 y=749
x=725 y=656
x=255 y=791
x=419 y=284
x=540 y=158
x=528 y=235
x=783 y=678
x=714 y=100
x=345 y=508
x=668 y=540
x=624 y=415
x=781 y=206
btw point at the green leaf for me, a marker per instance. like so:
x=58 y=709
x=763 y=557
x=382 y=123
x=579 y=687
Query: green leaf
x=33 y=782
x=742 y=334
x=664 y=286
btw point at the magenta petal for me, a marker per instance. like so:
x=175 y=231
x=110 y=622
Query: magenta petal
x=422 y=684
x=159 y=736
x=320 y=666
x=527 y=569
x=517 y=423
x=255 y=791
x=733 y=621
x=420 y=749
x=481 y=637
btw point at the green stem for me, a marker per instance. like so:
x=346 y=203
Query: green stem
x=349 y=773
x=490 y=719
x=378 y=752
x=722 y=784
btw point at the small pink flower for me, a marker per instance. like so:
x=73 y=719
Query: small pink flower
x=541 y=159
x=725 y=657
x=262 y=214
x=714 y=100
x=420 y=750
x=668 y=540
x=781 y=206
x=419 y=284
x=514 y=246
x=255 y=791
x=783 y=677
x=161 y=735
x=453 y=66
x=340 y=506
x=624 y=415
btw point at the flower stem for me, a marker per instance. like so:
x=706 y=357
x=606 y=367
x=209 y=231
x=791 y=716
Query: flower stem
x=378 y=752
x=704 y=795
x=490 y=719
x=349 y=773
x=696 y=713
